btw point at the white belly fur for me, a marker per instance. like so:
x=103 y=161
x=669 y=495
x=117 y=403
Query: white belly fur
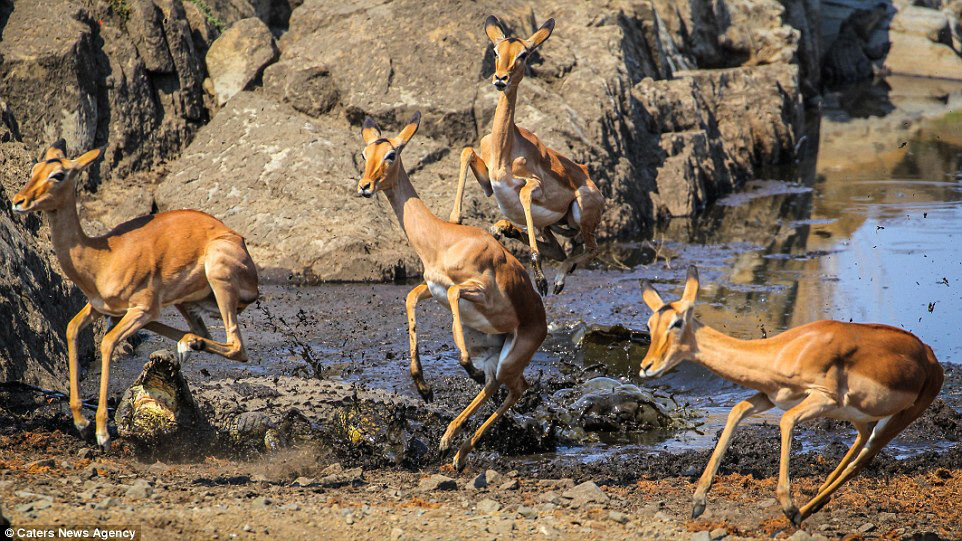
x=470 y=316
x=506 y=195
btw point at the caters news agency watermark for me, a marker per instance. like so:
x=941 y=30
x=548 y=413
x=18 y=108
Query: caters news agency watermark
x=99 y=533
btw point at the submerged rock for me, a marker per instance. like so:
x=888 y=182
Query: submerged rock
x=158 y=410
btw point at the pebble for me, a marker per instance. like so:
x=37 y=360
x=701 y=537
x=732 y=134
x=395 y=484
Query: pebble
x=800 y=535
x=247 y=528
x=42 y=463
x=493 y=477
x=505 y=527
x=866 y=528
x=349 y=519
x=106 y=503
x=618 y=516
x=660 y=515
x=701 y=536
x=140 y=489
x=488 y=505
x=586 y=492
x=396 y=533
x=437 y=482
x=290 y=507
x=547 y=531
x=767 y=502
x=304 y=482
x=86 y=452
x=718 y=533
x=513 y=484
x=549 y=497
x=547 y=507
x=527 y=512
x=480 y=481
x=886 y=515
x=262 y=501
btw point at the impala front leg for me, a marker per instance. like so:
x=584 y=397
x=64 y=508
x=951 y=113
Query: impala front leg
x=470 y=158
x=815 y=405
x=739 y=413
x=530 y=190
x=469 y=292
x=415 y=296
x=84 y=317
x=133 y=320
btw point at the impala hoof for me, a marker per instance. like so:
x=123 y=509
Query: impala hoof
x=793 y=516
x=445 y=445
x=558 y=287
x=103 y=441
x=697 y=510
x=82 y=425
x=459 y=462
x=427 y=394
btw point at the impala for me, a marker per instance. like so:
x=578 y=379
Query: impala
x=497 y=315
x=183 y=258
x=877 y=377
x=535 y=186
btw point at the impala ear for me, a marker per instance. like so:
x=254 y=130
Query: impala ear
x=541 y=35
x=691 y=286
x=58 y=150
x=369 y=130
x=86 y=159
x=492 y=29
x=408 y=132
x=650 y=296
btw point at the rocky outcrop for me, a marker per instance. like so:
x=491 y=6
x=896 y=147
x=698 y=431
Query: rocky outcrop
x=622 y=90
x=128 y=80
x=237 y=58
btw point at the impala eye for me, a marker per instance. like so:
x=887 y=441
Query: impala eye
x=58 y=177
x=522 y=55
x=677 y=324
x=390 y=156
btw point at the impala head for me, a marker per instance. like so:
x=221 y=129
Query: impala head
x=511 y=53
x=52 y=179
x=382 y=156
x=672 y=332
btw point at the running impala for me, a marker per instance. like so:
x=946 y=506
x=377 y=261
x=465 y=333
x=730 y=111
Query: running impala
x=183 y=258
x=497 y=315
x=877 y=377
x=535 y=186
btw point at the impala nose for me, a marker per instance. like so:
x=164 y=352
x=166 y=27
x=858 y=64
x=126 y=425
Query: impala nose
x=500 y=82
x=17 y=203
x=364 y=190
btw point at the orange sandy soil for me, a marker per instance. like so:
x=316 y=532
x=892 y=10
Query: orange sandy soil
x=224 y=499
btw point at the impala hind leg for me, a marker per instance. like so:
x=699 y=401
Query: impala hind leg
x=194 y=320
x=233 y=280
x=515 y=356
x=548 y=247
x=882 y=434
x=739 y=413
x=133 y=320
x=814 y=405
x=585 y=212
x=469 y=158
x=415 y=296
x=84 y=317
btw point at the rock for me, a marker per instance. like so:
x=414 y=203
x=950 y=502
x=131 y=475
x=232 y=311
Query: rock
x=921 y=45
x=140 y=489
x=437 y=482
x=587 y=492
x=335 y=475
x=106 y=503
x=42 y=463
x=488 y=505
x=549 y=497
x=505 y=527
x=478 y=482
x=396 y=533
x=865 y=528
x=262 y=501
x=887 y=516
x=94 y=469
x=238 y=57
x=701 y=536
x=800 y=535
x=158 y=410
x=547 y=531
x=618 y=516
x=512 y=484
x=309 y=89
x=767 y=502
x=493 y=477
x=304 y=482
x=85 y=453
x=527 y=512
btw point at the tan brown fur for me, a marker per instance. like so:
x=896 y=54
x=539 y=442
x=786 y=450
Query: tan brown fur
x=879 y=378
x=184 y=258
x=536 y=187
x=496 y=312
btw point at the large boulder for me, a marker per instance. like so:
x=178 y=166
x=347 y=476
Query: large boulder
x=238 y=57
x=921 y=44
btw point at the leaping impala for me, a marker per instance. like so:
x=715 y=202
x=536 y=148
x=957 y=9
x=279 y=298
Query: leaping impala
x=183 y=258
x=877 y=377
x=465 y=269
x=535 y=186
